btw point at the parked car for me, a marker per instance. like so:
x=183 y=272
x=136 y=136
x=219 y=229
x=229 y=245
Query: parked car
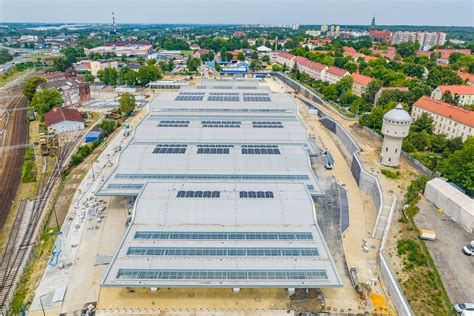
x=469 y=249
x=464 y=308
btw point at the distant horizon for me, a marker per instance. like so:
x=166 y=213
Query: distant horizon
x=232 y=12
x=224 y=24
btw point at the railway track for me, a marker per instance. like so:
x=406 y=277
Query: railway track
x=20 y=246
x=14 y=132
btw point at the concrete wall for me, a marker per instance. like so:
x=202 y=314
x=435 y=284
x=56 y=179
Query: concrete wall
x=367 y=183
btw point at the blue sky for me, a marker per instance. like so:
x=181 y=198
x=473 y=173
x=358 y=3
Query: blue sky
x=390 y=12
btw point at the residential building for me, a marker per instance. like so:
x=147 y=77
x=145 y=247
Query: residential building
x=324 y=28
x=360 y=84
x=445 y=53
x=122 y=50
x=94 y=66
x=313 y=33
x=334 y=74
x=283 y=58
x=75 y=91
x=263 y=50
x=60 y=120
x=238 y=34
x=388 y=53
x=236 y=193
x=425 y=39
x=194 y=47
x=165 y=55
x=467 y=77
x=450 y=120
x=312 y=69
x=463 y=94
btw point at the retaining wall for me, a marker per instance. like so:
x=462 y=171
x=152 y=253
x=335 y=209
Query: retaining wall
x=367 y=183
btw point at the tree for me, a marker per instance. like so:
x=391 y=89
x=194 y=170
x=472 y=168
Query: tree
x=217 y=66
x=459 y=167
x=423 y=124
x=330 y=92
x=438 y=143
x=345 y=84
x=108 y=126
x=45 y=100
x=29 y=88
x=276 y=67
x=241 y=56
x=88 y=78
x=454 y=57
x=454 y=144
x=351 y=67
x=128 y=77
x=451 y=99
x=193 y=64
x=5 y=56
x=150 y=62
x=147 y=74
x=108 y=76
x=266 y=59
x=442 y=76
x=372 y=89
x=407 y=49
x=420 y=140
x=127 y=104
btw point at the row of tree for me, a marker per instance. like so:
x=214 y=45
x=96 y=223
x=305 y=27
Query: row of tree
x=130 y=77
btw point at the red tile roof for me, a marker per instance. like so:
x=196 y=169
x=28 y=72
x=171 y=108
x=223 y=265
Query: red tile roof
x=310 y=64
x=286 y=55
x=424 y=53
x=458 y=89
x=447 y=110
x=361 y=79
x=466 y=76
x=445 y=53
x=57 y=115
x=339 y=72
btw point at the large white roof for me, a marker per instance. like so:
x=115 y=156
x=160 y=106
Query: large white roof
x=189 y=162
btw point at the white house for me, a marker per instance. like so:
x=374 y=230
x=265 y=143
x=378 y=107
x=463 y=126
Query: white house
x=60 y=120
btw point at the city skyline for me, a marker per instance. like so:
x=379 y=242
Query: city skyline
x=438 y=13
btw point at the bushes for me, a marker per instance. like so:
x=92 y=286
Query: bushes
x=28 y=173
x=390 y=174
x=82 y=152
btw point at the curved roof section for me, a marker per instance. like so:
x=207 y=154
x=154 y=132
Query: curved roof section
x=397 y=114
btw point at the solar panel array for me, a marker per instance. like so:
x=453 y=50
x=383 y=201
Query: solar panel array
x=198 y=194
x=224 y=93
x=257 y=99
x=170 y=149
x=172 y=235
x=214 y=149
x=247 y=87
x=222 y=98
x=126 y=186
x=192 y=93
x=260 y=150
x=222 y=251
x=173 y=124
x=256 y=195
x=218 y=274
x=223 y=87
x=180 y=176
x=221 y=124
x=189 y=98
x=255 y=94
x=267 y=124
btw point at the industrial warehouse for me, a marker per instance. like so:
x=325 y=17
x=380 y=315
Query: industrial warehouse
x=224 y=193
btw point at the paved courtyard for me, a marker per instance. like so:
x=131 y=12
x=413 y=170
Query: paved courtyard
x=456 y=269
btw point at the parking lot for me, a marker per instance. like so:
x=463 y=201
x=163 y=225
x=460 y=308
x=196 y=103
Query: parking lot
x=456 y=268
